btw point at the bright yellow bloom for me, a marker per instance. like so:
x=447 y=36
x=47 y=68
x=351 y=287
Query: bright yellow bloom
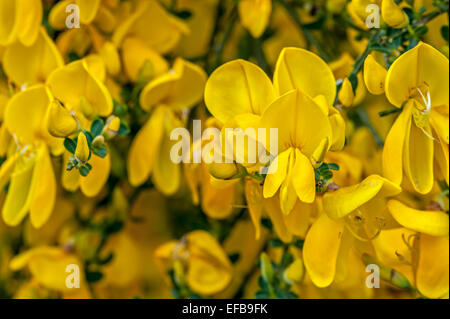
x=374 y=76
x=417 y=82
x=28 y=65
x=60 y=122
x=330 y=237
x=32 y=181
x=180 y=88
x=20 y=21
x=200 y=262
x=254 y=15
x=48 y=266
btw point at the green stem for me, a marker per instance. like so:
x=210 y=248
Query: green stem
x=389 y=112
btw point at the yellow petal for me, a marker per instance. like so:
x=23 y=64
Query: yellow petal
x=393 y=146
x=273 y=209
x=20 y=193
x=8 y=24
x=136 y=56
x=254 y=197
x=88 y=10
x=111 y=57
x=209 y=267
x=30 y=13
x=93 y=183
x=298 y=220
x=44 y=193
x=48 y=266
x=73 y=81
x=303 y=70
x=422 y=65
x=153 y=25
x=277 y=173
x=418 y=159
x=391 y=250
x=254 y=15
x=145 y=148
x=33 y=64
x=346 y=94
x=166 y=173
x=374 y=76
x=346 y=199
x=25 y=114
x=303 y=178
x=305 y=129
x=60 y=122
x=321 y=249
x=182 y=87
x=70 y=180
x=238 y=87
x=393 y=14
x=432 y=269
x=82 y=151
x=434 y=223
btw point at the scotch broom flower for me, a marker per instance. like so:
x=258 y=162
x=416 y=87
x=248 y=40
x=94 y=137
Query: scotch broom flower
x=180 y=88
x=204 y=265
x=417 y=82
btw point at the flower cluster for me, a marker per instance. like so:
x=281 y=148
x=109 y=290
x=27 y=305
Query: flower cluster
x=353 y=202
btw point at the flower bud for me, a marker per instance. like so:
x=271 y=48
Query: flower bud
x=112 y=127
x=82 y=151
x=60 y=122
x=374 y=76
x=224 y=170
x=266 y=268
x=346 y=94
x=295 y=272
x=393 y=15
x=98 y=141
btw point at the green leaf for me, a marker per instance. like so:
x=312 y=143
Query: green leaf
x=124 y=129
x=444 y=32
x=114 y=227
x=70 y=145
x=84 y=170
x=97 y=127
x=333 y=166
x=100 y=151
x=93 y=276
x=275 y=242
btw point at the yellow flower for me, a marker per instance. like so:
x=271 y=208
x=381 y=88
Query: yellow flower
x=32 y=181
x=374 y=76
x=60 y=122
x=20 y=21
x=32 y=64
x=79 y=87
x=201 y=262
x=254 y=15
x=328 y=241
x=153 y=25
x=346 y=94
x=393 y=14
x=417 y=82
x=422 y=258
x=180 y=88
x=48 y=266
